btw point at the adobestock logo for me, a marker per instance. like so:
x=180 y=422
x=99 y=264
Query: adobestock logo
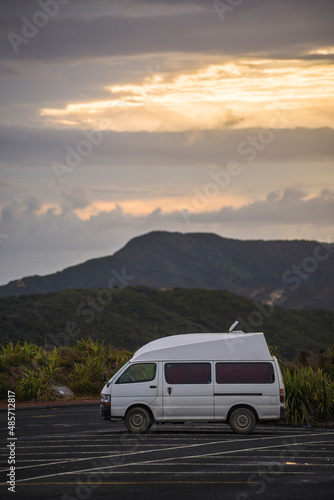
x=222 y=8
x=293 y=277
x=84 y=148
x=40 y=19
x=89 y=308
x=221 y=179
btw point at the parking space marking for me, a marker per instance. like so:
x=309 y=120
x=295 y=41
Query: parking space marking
x=141 y=482
x=240 y=441
x=261 y=448
x=169 y=448
x=42 y=416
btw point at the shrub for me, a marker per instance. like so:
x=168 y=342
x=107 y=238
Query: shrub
x=81 y=381
x=4 y=386
x=9 y=356
x=88 y=346
x=34 y=384
x=309 y=396
x=50 y=360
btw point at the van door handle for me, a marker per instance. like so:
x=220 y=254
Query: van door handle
x=169 y=390
x=153 y=386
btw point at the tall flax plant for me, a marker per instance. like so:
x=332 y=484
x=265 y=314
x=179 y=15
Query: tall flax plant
x=33 y=370
x=50 y=360
x=27 y=352
x=309 y=396
x=10 y=355
x=16 y=355
x=95 y=365
x=6 y=359
x=88 y=346
x=34 y=384
x=115 y=359
x=81 y=380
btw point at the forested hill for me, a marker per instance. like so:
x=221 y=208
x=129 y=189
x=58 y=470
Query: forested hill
x=133 y=316
x=300 y=274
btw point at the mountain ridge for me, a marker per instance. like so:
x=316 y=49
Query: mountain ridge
x=297 y=274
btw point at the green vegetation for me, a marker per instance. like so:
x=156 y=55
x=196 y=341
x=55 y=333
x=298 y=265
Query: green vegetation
x=33 y=371
x=130 y=317
x=163 y=259
x=310 y=396
x=309 y=379
x=309 y=385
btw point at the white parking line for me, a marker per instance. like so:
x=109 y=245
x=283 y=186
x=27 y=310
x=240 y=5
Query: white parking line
x=240 y=441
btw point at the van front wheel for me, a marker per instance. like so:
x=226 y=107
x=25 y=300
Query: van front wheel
x=137 y=420
x=242 y=421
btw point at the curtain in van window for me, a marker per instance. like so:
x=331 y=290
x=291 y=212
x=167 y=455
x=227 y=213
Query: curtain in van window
x=176 y=373
x=188 y=373
x=244 y=373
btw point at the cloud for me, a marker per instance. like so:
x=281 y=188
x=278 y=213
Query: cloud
x=46 y=242
x=292 y=195
x=291 y=207
x=24 y=208
x=74 y=198
x=252 y=27
x=214 y=96
x=40 y=148
x=7 y=72
x=253 y=69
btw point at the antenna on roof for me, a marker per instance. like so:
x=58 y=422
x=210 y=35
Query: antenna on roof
x=233 y=326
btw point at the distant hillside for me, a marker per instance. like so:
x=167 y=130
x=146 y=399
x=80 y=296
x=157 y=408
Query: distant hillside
x=300 y=273
x=129 y=317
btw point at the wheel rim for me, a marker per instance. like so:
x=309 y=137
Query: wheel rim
x=137 y=420
x=242 y=421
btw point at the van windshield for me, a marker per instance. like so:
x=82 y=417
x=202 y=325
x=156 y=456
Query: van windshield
x=115 y=375
x=138 y=372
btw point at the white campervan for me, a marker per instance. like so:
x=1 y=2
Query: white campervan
x=210 y=377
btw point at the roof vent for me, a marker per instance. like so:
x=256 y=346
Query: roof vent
x=233 y=326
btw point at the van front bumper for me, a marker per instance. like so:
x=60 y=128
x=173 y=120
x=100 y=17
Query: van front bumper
x=105 y=407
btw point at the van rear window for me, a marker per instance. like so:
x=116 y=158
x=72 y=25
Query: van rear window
x=188 y=373
x=244 y=373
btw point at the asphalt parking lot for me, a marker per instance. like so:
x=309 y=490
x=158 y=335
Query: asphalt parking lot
x=69 y=453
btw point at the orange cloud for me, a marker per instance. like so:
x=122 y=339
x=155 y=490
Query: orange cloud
x=248 y=89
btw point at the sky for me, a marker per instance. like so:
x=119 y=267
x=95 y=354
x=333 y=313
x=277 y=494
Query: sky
x=123 y=117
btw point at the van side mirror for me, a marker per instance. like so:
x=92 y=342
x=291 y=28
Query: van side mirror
x=104 y=378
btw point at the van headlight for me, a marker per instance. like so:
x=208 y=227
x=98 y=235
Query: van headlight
x=105 y=399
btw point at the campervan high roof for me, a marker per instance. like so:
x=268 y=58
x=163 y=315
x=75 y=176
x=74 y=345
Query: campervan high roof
x=238 y=346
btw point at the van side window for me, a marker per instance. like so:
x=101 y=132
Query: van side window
x=140 y=372
x=188 y=373
x=244 y=373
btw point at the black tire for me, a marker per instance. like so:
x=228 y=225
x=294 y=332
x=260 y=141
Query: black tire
x=242 y=421
x=138 y=420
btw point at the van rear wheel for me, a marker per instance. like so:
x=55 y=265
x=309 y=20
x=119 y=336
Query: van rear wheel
x=138 y=420
x=242 y=421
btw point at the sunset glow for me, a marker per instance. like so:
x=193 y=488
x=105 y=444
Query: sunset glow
x=144 y=207
x=204 y=98
x=120 y=118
